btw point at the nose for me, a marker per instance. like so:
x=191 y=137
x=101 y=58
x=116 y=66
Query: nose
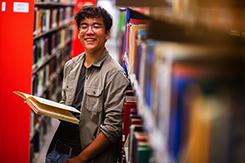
x=90 y=29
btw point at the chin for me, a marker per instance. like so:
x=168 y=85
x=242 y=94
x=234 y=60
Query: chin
x=90 y=48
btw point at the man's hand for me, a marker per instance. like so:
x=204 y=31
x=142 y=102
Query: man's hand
x=92 y=150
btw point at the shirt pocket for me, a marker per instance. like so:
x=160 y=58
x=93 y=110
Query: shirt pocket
x=67 y=93
x=94 y=99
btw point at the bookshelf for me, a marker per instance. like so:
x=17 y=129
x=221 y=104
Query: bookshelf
x=189 y=82
x=52 y=43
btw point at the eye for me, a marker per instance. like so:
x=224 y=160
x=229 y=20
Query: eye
x=83 y=26
x=97 y=26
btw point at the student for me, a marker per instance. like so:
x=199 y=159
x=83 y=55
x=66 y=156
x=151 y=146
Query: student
x=95 y=84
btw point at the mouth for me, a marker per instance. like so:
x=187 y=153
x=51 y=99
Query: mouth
x=90 y=40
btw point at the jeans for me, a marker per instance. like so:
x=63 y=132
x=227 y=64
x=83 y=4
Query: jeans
x=57 y=157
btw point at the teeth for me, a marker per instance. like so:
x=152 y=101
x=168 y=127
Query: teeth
x=90 y=40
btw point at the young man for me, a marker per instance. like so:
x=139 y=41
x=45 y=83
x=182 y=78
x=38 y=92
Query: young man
x=95 y=84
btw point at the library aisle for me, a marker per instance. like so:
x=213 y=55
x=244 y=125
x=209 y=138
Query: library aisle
x=184 y=59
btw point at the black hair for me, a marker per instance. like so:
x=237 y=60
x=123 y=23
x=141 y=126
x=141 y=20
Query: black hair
x=94 y=12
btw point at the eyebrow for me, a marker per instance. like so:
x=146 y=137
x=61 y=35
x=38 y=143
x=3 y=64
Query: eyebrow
x=96 y=23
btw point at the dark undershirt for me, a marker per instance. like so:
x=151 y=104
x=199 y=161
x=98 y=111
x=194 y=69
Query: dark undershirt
x=69 y=133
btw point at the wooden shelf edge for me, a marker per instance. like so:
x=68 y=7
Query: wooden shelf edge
x=53 y=4
x=139 y=3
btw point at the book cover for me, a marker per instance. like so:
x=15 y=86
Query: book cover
x=50 y=108
x=127 y=107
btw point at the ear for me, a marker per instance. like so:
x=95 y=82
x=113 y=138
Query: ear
x=78 y=36
x=108 y=35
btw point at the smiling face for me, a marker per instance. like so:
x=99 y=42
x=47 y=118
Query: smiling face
x=92 y=34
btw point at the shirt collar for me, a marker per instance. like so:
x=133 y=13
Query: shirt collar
x=99 y=62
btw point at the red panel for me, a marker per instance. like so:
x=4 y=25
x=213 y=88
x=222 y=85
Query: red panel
x=16 y=39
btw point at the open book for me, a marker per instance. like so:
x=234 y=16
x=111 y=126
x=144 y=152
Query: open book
x=50 y=108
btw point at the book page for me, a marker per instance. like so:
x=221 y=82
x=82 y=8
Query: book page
x=21 y=94
x=50 y=108
x=54 y=104
x=53 y=112
x=46 y=102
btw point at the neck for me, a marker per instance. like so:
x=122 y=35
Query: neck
x=92 y=57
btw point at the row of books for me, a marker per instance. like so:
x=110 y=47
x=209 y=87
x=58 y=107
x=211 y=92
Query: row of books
x=136 y=147
x=193 y=94
x=135 y=32
x=201 y=81
x=199 y=85
x=46 y=19
x=189 y=82
x=46 y=47
x=44 y=77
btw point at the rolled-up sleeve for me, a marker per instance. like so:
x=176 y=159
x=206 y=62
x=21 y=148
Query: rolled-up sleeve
x=114 y=98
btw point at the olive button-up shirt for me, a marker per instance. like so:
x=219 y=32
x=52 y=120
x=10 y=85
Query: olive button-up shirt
x=101 y=108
